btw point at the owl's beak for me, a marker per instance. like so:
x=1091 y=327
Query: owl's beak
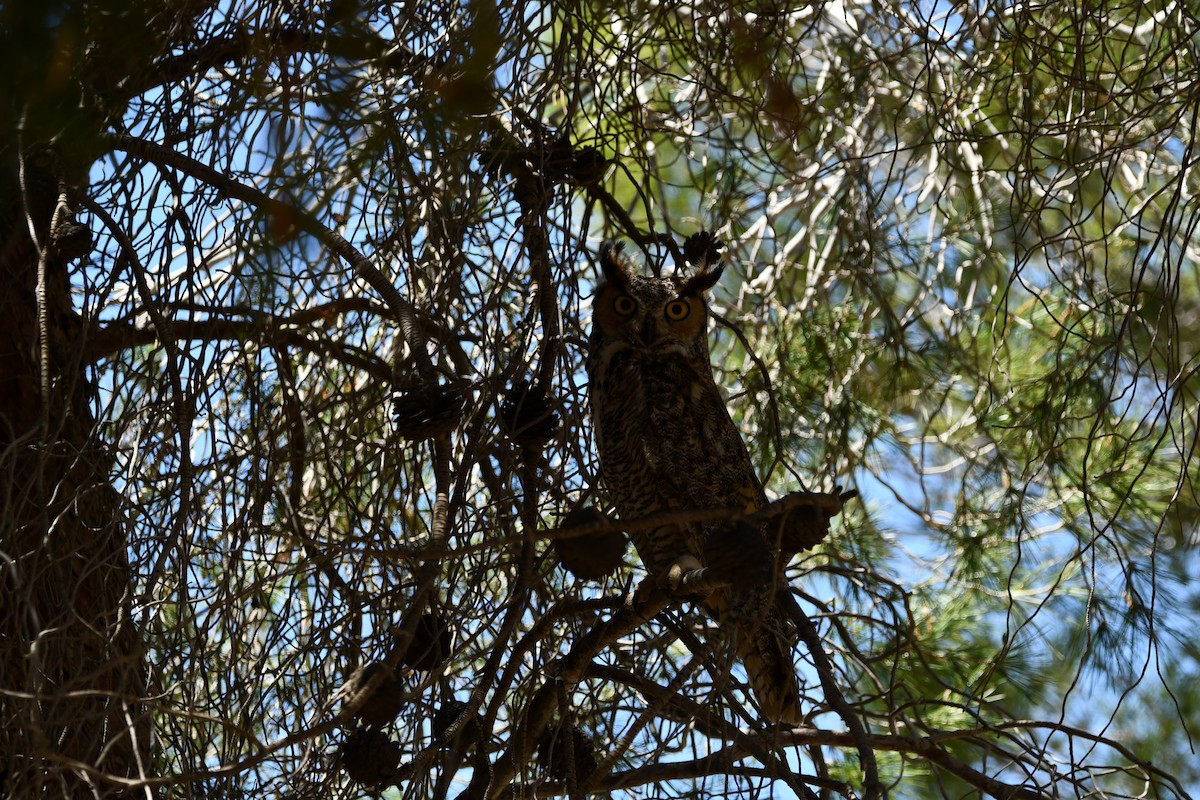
x=649 y=332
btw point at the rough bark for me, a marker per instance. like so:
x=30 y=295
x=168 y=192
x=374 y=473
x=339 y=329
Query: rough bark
x=71 y=674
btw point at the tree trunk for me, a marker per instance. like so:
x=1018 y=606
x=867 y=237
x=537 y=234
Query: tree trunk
x=72 y=712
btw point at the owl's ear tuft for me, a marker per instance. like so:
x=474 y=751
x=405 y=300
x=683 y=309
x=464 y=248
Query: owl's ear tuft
x=701 y=282
x=612 y=263
x=702 y=249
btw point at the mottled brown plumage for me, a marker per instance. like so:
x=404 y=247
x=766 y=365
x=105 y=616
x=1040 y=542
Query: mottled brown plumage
x=667 y=444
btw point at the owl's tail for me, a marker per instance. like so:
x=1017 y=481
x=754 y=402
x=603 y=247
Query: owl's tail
x=761 y=639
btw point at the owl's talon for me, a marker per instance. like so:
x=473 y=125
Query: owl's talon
x=679 y=567
x=638 y=595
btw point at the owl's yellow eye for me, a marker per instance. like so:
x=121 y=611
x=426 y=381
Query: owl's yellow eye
x=624 y=305
x=677 y=310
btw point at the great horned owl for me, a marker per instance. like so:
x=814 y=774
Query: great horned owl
x=667 y=444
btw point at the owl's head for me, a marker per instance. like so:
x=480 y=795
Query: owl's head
x=658 y=314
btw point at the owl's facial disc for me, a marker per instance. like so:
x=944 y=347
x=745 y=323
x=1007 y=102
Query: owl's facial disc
x=679 y=319
x=653 y=314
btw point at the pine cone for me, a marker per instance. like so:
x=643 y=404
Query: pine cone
x=431 y=643
x=527 y=415
x=370 y=757
x=804 y=526
x=554 y=745
x=385 y=703
x=449 y=713
x=423 y=412
x=588 y=166
x=69 y=238
x=589 y=556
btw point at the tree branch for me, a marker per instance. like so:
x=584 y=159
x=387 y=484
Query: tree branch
x=113 y=337
x=362 y=266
